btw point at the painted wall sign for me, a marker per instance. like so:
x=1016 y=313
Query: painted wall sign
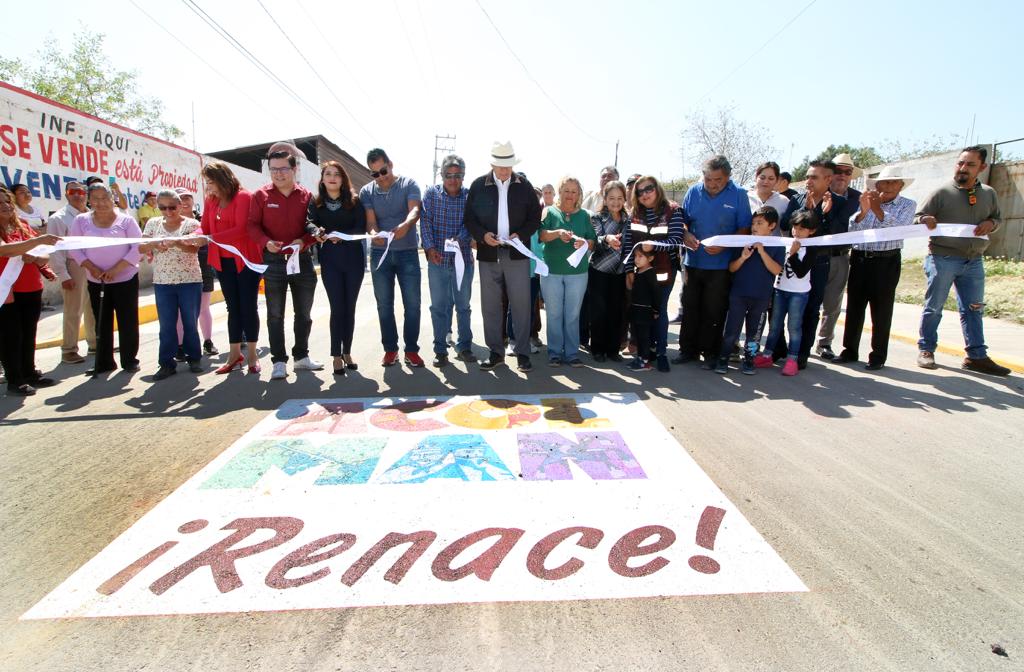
x=360 y=502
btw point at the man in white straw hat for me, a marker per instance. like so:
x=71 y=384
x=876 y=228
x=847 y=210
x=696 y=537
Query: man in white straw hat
x=875 y=267
x=839 y=264
x=502 y=205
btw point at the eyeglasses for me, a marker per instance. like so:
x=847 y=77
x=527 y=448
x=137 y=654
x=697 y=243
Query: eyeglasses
x=167 y=207
x=379 y=173
x=844 y=171
x=643 y=191
x=280 y=169
x=454 y=176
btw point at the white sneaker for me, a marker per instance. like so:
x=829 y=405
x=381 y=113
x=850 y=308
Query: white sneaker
x=280 y=371
x=307 y=364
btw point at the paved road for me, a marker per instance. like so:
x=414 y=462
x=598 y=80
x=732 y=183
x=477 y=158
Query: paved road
x=896 y=498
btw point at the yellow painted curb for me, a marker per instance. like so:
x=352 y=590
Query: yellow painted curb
x=147 y=313
x=1011 y=363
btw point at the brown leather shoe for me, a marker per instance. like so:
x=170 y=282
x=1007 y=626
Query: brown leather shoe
x=984 y=365
x=72 y=358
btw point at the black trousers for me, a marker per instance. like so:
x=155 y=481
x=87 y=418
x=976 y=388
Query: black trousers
x=872 y=284
x=18 y=323
x=342 y=284
x=241 y=295
x=606 y=292
x=120 y=299
x=705 y=303
x=641 y=322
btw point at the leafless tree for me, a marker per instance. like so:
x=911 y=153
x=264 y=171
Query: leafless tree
x=746 y=145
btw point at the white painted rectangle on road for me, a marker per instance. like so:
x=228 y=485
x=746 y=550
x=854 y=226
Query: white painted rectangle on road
x=336 y=503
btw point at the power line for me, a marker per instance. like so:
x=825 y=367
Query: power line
x=315 y=72
x=534 y=79
x=239 y=47
x=330 y=45
x=206 y=63
x=757 y=51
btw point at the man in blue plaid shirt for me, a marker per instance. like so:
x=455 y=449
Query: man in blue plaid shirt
x=440 y=220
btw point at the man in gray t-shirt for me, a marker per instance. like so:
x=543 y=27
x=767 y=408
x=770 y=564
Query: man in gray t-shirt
x=392 y=203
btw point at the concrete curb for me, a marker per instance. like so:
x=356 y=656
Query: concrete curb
x=1012 y=363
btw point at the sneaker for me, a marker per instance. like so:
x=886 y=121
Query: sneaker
x=554 y=362
x=414 y=360
x=280 y=371
x=523 y=363
x=467 y=356
x=723 y=365
x=639 y=365
x=663 y=364
x=307 y=364
x=707 y=364
x=678 y=319
x=682 y=358
x=24 y=390
x=926 y=359
x=983 y=365
x=790 y=368
x=72 y=358
x=440 y=359
x=180 y=356
x=209 y=348
x=873 y=366
x=131 y=367
x=763 y=362
x=164 y=372
x=195 y=367
x=747 y=366
x=493 y=361
x=390 y=358
x=825 y=352
x=576 y=363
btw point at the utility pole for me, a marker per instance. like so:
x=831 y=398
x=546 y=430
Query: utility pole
x=616 y=164
x=443 y=145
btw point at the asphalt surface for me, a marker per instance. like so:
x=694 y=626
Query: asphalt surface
x=895 y=497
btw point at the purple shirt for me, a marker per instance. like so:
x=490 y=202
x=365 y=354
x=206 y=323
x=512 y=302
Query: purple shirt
x=107 y=257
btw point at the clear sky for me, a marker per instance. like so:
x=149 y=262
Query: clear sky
x=840 y=72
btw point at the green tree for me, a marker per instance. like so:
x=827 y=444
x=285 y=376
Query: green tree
x=85 y=79
x=863 y=157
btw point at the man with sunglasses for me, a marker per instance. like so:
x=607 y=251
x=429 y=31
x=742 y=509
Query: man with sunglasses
x=839 y=264
x=277 y=219
x=73 y=282
x=392 y=203
x=819 y=198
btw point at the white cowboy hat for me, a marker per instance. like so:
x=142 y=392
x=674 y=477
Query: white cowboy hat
x=890 y=173
x=502 y=155
x=847 y=160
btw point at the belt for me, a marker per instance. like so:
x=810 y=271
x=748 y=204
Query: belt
x=868 y=254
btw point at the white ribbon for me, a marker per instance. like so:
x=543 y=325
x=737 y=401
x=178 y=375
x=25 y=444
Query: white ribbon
x=452 y=245
x=577 y=256
x=366 y=236
x=849 y=238
x=653 y=243
x=542 y=268
x=291 y=267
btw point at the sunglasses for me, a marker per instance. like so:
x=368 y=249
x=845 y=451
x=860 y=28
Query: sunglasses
x=454 y=176
x=167 y=207
x=643 y=191
x=844 y=171
x=77 y=192
x=379 y=173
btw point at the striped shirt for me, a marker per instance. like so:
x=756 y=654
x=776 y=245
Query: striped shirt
x=898 y=212
x=441 y=218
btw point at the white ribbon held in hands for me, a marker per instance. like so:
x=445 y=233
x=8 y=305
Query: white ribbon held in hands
x=542 y=268
x=579 y=253
x=388 y=235
x=452 y=245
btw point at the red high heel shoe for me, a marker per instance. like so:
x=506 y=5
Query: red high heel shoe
x=230 y=366
x=254 y=369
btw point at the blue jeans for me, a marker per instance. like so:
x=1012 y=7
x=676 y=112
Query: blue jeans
x=968 y=277
x=563 y=298
x=170 y=299
x=787 y=305
x=446 y=298
x=403 y=265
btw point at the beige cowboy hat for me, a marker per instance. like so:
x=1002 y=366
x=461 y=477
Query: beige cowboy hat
x=502 y=155
x=890 y=173
x=847 y=160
